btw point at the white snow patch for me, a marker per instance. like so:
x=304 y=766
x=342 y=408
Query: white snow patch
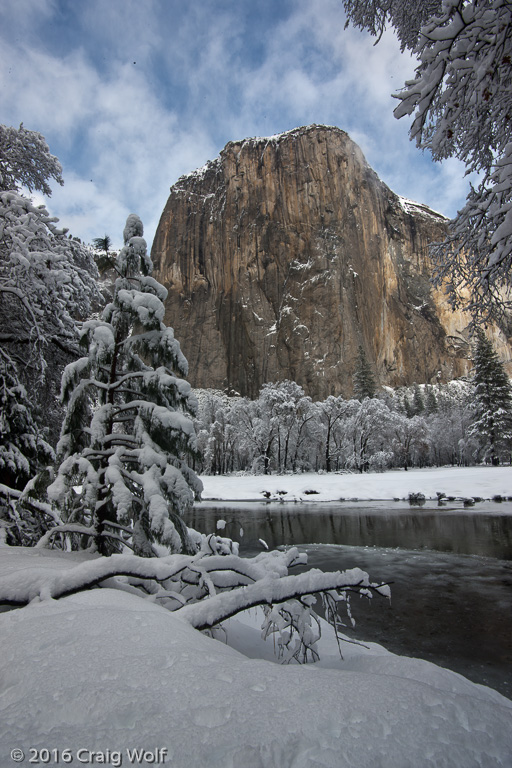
x=148 y=680
x=395 y=484
x=409 y=206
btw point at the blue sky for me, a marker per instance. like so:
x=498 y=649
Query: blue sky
x=131 y=94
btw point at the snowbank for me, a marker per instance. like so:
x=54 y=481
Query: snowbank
x=105 y=672
x=484 y=482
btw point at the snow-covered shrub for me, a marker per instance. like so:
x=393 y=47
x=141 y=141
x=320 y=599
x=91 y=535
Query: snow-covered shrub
x=380 y=461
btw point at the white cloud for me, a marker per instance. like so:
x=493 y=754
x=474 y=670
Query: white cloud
x=140 y=93
x=132 y=147
x=48 y=94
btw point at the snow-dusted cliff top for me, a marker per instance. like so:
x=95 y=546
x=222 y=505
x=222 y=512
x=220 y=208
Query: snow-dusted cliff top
x=214 y=164
x=409 y=206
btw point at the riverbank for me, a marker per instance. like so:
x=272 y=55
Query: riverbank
x=459 y=482
x=152 y=686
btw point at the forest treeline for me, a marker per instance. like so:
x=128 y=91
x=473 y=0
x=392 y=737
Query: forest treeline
x=284 y=430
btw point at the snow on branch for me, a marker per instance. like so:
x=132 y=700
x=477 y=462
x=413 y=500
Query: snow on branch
x=460 y=103
x=25 y=160
x=207 y=613
x=209 y=588
x=45 y=583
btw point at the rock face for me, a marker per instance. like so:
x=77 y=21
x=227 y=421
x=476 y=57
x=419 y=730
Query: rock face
x=285 y=254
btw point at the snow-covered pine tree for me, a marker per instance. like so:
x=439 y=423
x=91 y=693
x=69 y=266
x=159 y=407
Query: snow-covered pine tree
x=46 y=283
x=26 y=161
x=128 y=429
x=363 y=378
x=418 y=402
x=105 y=257
x=492 y=420
x=431 y=405
x=22 y=448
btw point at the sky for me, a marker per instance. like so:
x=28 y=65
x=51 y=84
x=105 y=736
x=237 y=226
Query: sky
x=132 y=94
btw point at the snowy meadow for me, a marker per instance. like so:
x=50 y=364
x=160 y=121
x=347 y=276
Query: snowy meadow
x=460 y=482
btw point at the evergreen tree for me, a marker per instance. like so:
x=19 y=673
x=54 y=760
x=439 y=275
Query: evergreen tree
x=418 y=403
x=431 y=405
x=408 y=406
x=128 y=429
x=105 y=259
x=492 y=419
x=102 y=244
x=47 y=282
x=363 y=379
x=22 y=448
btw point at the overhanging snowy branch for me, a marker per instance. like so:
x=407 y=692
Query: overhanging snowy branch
x=229 y=573
x=267 y=591
x=45 y=583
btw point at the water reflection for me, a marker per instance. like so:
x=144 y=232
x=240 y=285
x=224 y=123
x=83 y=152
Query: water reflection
x=443 y=530
x=451 y=573
x=454 y=610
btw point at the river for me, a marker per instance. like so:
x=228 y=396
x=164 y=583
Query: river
x=450 y=570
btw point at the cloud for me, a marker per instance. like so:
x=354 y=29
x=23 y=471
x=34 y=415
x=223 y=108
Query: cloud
x=41 y=88
x=131 y=95
x=315 y=71
x=119 y=147
x=20 y=18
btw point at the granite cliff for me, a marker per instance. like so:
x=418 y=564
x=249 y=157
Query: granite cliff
x=286 y=253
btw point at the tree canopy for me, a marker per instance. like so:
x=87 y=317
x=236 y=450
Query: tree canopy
x=102 y=244
x=47 y=282
x=26 y=161
x=461 y=105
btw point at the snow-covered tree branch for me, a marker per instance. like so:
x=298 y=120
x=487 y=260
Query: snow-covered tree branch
x=211 y=586
x=268 y=591
x=461 y=103
x=25 y=161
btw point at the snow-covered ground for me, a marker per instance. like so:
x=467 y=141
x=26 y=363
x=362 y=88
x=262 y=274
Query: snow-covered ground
x=103 y=673
x=484 y=482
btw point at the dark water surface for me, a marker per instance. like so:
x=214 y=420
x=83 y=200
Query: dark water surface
x=450 y=568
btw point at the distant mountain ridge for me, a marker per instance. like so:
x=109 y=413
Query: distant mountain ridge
x=284 y=254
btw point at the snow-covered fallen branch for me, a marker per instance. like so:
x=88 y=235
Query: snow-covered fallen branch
x=267 y=591
x=230 y=571
x=46 y=583
x=208 y=588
